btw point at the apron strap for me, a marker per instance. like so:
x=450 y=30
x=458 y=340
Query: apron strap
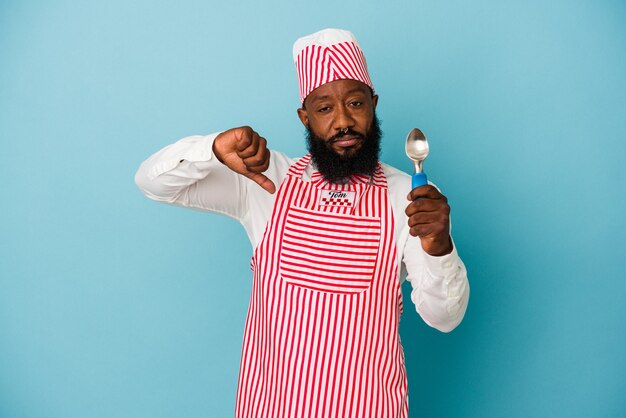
x=297 y=170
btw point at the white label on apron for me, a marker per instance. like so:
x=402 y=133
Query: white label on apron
x=337 y=198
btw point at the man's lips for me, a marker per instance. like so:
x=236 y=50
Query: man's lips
x=347 y=141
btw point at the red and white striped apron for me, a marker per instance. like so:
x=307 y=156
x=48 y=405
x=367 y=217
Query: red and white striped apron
x=321 y=336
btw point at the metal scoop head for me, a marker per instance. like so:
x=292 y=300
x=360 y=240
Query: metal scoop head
x=416 y=148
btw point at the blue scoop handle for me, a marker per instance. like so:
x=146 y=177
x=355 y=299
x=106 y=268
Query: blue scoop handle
x=419 y=179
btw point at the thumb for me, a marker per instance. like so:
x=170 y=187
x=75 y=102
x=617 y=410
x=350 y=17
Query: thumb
x=262 y=181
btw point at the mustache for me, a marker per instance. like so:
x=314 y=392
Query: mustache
x=349 y=132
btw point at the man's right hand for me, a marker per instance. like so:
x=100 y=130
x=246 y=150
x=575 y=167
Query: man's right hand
x=245 y=152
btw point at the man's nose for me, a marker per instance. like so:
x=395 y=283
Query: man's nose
x=343 y=119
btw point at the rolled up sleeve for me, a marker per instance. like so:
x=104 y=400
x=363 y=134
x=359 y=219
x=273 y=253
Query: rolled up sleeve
x=440 y=288
x=186 y=173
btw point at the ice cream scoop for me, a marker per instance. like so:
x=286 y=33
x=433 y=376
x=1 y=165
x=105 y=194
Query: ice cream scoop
x=417 y=150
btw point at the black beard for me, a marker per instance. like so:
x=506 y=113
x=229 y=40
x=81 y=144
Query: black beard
x=337 y=168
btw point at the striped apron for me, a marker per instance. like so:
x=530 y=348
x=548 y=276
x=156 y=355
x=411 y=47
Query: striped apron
x=321 y=336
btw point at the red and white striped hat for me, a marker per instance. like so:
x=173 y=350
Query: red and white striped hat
x=328 y=55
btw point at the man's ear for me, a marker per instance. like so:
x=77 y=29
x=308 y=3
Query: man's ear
x=304 y=116
x=375 y=100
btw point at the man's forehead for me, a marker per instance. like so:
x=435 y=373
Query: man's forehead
x=337 y=89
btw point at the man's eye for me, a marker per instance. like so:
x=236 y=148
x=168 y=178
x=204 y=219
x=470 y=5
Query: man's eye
x=356 y=103
x=323 y=109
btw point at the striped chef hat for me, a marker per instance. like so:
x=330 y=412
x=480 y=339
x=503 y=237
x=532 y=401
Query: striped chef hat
x=328 y=55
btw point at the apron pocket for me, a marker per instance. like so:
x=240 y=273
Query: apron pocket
x=329 y=252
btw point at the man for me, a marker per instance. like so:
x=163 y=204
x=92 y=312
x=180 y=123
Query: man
x=330 y=233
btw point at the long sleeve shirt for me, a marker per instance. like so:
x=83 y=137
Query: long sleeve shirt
x=187 y=174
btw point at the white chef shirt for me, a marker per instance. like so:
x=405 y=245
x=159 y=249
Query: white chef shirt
x=187 y=174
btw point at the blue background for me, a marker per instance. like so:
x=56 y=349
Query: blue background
x=112 y=305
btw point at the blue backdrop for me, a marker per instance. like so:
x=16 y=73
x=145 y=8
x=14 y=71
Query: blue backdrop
x=112 y=305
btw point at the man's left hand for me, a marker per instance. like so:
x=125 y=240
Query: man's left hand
x=429 y=219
